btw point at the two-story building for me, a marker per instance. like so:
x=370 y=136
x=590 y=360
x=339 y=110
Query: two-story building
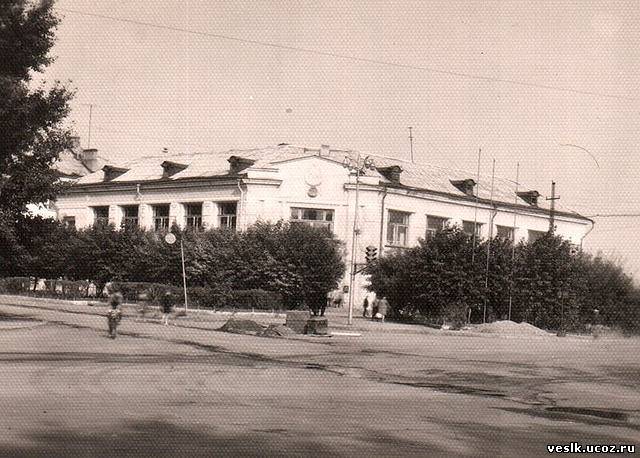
x=398 y=202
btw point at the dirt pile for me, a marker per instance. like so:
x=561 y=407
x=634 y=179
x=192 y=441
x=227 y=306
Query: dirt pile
x=237 y=326
x=250 y=327
x=511 y=328
x=278 y=330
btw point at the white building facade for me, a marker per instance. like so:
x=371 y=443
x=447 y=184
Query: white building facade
x=398 y=202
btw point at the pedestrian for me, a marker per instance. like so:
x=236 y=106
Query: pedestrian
x=365 y=307
x=383 y=308
x=166 y=302
x=114 y=315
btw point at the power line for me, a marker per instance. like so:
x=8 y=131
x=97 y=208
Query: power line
x=614 y=215
x=347 y=56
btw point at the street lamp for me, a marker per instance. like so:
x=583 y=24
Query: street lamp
x=170 y=238
x=358 y=166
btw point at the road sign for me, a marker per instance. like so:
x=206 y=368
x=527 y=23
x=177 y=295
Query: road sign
x=170 y=239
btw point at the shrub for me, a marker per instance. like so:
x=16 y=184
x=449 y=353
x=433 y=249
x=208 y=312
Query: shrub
x=207 y=298
x=15 y=285
x=256 y=299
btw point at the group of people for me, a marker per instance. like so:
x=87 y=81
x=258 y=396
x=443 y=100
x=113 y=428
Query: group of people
x=375 y=308
x=114 y=315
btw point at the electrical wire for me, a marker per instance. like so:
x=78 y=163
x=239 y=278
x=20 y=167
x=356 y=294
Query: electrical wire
x=490 y=79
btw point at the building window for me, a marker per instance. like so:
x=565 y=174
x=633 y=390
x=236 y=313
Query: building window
x=467 y=228
x=535 y=235
x=506 y=232
x=130 y=217
x=398 y=228
x=101 y=216
x=193 y=216
x=314 y=217
x=161 y=217
x=69 y=221
x=227 y=212
x=435 y=224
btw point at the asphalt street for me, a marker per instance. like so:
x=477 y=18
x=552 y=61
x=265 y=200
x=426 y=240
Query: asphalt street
x=189 y=390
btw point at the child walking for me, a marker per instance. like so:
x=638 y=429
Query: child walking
x=114 y=315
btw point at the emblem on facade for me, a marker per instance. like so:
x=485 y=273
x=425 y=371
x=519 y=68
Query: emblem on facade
x=313 y=180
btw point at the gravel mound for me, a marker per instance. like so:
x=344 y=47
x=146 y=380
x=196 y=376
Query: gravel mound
x=237 y=326
x=278 y=330
x=511 y=328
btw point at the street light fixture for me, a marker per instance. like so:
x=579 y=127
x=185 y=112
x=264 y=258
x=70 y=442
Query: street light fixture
x=359 y=166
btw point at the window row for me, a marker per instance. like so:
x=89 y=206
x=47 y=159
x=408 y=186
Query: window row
x=398 y=228
x=227 y=215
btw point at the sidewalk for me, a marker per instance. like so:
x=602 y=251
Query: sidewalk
x=207 y=319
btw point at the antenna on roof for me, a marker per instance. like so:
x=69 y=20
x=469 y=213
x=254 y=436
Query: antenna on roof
x=90 y=105
x=411 y=142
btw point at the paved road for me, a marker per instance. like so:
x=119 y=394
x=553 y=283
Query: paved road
x=188 y=390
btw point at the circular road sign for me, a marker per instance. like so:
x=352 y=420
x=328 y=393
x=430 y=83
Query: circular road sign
x=170 y=239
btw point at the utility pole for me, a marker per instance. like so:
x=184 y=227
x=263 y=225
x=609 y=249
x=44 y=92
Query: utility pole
x=552 y=212
x=358 y=166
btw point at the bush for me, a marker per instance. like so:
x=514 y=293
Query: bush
x=256 y=299
x=15 y=285
x=207 y=298
x=143 y=291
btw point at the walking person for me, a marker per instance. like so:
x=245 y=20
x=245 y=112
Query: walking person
x=383 y=309
x=166 y=302
x=114 y=315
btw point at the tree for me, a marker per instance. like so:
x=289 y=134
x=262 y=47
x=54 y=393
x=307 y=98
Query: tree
x=31 y=116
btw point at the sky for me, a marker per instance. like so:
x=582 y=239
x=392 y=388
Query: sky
x=520 y=80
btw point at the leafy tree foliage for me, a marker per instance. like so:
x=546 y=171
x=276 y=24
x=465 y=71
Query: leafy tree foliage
x=546 y=283
x=300 y=263
x=31 y=118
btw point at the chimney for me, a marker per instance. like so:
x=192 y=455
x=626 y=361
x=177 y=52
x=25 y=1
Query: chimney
x=325 y=150
x=90 y=159
x=530 y=197
x=238 y=164
x=391 y=173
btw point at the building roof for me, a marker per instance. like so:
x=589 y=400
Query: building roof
x=426 y=177
x=68 y=165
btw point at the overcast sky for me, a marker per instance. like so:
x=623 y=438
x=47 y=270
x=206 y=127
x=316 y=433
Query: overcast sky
x=515 y=78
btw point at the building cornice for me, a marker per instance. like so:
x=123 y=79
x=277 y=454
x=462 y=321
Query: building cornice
x=470 y=200
x=161 y=184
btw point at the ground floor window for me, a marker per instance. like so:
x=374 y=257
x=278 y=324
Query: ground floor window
x=69 y=221
x=227 y=214
x=398 y=228
x=161 y=217
x=535 y=235
x=130 y=216
x=468 y=228
x=506 y=232
x=435 y=224
x=193 y=215
x=315 y=217
x=101 y=215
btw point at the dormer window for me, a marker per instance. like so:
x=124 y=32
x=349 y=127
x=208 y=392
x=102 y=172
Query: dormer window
x=239 y=163
x=391 y=173
x=111 y=172
x=171 y=168
x=466 y=186
x=530 y=197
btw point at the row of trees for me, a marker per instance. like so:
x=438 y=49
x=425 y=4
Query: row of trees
x=548 y=283
x=299 y=262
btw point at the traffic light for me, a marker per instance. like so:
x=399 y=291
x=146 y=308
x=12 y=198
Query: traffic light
x=371 y=254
